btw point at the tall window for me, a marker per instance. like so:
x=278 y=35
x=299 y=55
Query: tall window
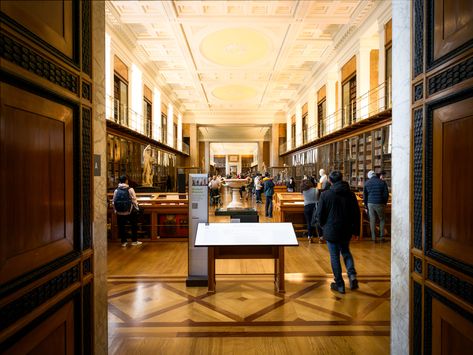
x=164 y=128
x=120 y=100
x=321 y=110
x=349 y=101
x=305 y=129
x=147 y=123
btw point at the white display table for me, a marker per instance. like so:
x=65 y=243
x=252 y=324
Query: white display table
x=246 y=241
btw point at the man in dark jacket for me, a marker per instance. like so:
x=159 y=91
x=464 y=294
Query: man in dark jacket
x=268 y=186
x=375 y=198
x=339 y=216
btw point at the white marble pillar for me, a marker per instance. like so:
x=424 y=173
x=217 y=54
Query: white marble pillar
x=312 y=115
x=260 y=157
x=136 y=95
x=156 y=115
x=207 y=158
x=274 y=153
x=362 y=80
x=194 y=145
x=298 y=125
x=288 y=132
x=109 y=63
x=401 y=168
x=179 y=132
x=99 y=226
x=170 y=124
x=330 y=103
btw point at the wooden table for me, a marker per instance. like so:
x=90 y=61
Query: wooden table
x=246 y=241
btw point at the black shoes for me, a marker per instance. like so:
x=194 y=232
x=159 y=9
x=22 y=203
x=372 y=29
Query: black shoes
x=338 y=288
x=353 y=283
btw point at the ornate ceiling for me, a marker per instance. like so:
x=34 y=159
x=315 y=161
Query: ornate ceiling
x=233 y=59
x=230 y=65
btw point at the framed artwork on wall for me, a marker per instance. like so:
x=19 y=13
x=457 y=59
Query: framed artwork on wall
x=233 y=158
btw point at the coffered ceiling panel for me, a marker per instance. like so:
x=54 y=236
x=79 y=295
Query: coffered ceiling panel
x=227 y=56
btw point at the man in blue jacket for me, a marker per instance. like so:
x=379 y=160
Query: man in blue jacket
x=375 y=198
x=339 y=216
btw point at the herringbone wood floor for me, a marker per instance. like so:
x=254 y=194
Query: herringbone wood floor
x=151 y=311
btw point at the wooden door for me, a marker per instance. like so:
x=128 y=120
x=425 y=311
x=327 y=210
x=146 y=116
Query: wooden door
x=46 y=269
x=442 y=190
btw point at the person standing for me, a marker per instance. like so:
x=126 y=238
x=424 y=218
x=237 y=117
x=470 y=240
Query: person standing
x=375 y=198
x=323 y=182
x=339 y=216
x=258 y=187
x=311 y=197
x=126 y=207
x=268 y=192
x=291 y=185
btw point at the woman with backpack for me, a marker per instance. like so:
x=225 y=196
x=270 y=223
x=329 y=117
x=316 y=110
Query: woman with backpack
x=126 y=207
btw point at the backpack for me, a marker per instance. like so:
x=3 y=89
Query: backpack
x=122 y=201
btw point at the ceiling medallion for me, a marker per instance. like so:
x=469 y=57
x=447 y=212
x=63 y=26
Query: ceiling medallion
x=234 y=92
x=235 y=47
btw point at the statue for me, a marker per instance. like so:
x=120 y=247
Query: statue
x=264 y=167
x=148 y=160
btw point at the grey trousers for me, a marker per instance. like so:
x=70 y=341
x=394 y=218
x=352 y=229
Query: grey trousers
x=373 y=210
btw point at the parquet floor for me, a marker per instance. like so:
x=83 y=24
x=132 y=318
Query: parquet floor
x=151 y=311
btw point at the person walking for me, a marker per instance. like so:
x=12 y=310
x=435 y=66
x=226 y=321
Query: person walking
x=339 y=216
x=268 y=186
x=311 y=198
x=126 y=207
x=258 y=187
x=375 y=198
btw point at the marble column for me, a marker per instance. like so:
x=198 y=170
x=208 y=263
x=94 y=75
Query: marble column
x=99 y=226
x=194 y=145
x=401 y=168
x=298 y=125
x=170 y=124
x=157 y=115
x=179 y=132
x=331 y=92
x=312 y=115
x=274 y=153
x=288 y=132
x=260 y=157
x=207 y=158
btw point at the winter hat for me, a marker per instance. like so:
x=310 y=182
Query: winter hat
x=371 y=173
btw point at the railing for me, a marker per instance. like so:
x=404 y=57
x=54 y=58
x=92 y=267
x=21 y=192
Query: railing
x=367 y=105
x=126 y=117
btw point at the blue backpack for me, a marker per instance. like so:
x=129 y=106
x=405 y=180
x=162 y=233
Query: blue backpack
x=122 y=201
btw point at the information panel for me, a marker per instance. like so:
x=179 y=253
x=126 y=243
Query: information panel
x=198 y=213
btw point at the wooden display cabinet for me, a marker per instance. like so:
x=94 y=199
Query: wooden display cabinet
x=164 y=215
x=291 y=209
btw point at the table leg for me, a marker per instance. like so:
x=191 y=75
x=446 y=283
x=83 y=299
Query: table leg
x=154 y=225
x=280 y=286
x=211 y=268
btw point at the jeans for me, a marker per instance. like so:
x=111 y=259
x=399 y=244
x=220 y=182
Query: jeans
x=269 y=206
x=373 y=210
x=258 y=195
x=308 y=211
x=121 y=221
x=335 y=249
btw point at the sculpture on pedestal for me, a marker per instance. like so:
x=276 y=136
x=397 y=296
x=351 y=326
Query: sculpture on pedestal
x=148 y=160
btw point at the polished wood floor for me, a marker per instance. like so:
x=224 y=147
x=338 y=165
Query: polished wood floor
x=151 y=311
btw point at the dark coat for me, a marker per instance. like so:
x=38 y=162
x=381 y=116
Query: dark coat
x=375 y=191
x=338 y=213
x=268 y=186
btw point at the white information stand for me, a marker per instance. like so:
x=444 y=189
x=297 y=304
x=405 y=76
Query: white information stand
x=198 y=213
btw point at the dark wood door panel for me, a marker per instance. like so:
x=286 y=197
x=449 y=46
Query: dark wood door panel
x=55 y=335
x=453 y=25
x=37 y=157
x=451 y=333
x=51 y=21
x=452 y=193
